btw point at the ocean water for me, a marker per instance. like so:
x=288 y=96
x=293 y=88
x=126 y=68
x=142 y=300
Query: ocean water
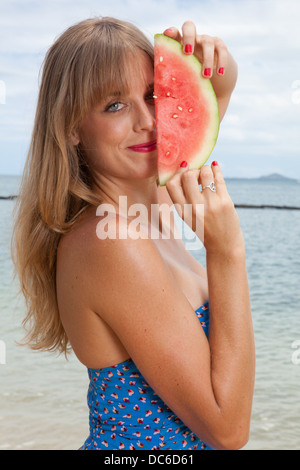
x=43 y=396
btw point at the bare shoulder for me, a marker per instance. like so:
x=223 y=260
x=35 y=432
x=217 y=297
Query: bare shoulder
x=72 y=243
x=98 y=254
x=90 y=237
x=74 y=256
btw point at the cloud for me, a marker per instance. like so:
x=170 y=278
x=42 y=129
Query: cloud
x=263 y=117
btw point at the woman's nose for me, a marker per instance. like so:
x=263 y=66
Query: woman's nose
x=145 y=118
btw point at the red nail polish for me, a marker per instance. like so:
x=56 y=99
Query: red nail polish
x=221 y=71
x=207 y=72
x=183 y=164
x=188 y=49
x=215 y=163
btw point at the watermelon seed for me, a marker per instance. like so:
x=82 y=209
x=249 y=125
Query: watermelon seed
x=190 y=110
x=175 y=116
x=179 y=107
x=169 y=93
x=174 y=79
x=154 y=97
x=161 y=59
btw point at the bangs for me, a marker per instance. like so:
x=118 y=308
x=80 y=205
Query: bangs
x=112 y=63
x=117 y=76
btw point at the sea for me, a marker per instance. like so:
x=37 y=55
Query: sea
x=43 y=395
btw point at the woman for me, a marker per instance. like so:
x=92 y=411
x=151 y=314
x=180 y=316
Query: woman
x=129 y=306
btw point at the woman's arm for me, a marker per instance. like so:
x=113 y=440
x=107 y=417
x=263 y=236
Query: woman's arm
x=231 y=339
x=218 y=64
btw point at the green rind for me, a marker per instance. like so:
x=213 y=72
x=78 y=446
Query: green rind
x=194 y=63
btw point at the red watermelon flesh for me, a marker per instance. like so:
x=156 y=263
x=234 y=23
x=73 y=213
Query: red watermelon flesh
x=186 y=108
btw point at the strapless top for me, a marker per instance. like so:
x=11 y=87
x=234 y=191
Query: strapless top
x=126 y=413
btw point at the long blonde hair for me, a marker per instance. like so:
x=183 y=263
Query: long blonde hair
x=83 y=65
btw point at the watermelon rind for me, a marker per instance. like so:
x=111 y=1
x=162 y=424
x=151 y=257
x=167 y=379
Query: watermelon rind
x=193 y=66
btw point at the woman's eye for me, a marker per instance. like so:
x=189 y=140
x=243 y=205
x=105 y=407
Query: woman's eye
x=114 y=107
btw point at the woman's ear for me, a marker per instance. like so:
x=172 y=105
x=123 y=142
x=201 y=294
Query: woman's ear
x=74 y=138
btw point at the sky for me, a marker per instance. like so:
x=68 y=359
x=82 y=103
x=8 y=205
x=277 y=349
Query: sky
x=260 y=133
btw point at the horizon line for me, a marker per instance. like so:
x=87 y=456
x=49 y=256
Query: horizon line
x=225 y=177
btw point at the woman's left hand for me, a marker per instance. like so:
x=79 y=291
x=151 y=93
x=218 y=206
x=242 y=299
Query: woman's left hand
x=217 y=62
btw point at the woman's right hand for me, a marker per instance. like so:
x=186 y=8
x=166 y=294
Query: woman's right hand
x=211 y=215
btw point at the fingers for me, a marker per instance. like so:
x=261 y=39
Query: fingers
x=211 y=51
x=206 y=44
x=183 y=187
x=221 y=54
x=213 y=174
x=175 y=188
x=188 y=37
x=218 y=179
x=173 y=33
x=214 y=55
x=190 y=184
x=206 y=177
x=191 y=203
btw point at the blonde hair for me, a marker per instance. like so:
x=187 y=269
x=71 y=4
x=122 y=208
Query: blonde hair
x=86 y=63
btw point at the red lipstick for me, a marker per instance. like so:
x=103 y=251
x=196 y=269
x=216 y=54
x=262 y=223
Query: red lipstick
x=145 y=147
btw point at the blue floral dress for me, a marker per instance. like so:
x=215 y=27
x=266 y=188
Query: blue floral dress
x=126 y=413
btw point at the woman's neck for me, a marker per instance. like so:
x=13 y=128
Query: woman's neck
x=128 y=197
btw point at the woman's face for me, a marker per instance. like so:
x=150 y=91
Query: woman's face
x=118 y=135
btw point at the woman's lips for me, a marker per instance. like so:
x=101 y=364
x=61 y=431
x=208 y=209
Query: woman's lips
x=144 y=148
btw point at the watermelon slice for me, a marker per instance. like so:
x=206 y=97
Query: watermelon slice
x=186 y=108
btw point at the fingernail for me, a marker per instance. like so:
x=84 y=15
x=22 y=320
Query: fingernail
x=183 y=164
x=215 y=163
x=168 y=31
x=221 y=71
x=188 y=48
x=207 y=72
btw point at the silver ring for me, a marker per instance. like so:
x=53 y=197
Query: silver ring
x=212 y=187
